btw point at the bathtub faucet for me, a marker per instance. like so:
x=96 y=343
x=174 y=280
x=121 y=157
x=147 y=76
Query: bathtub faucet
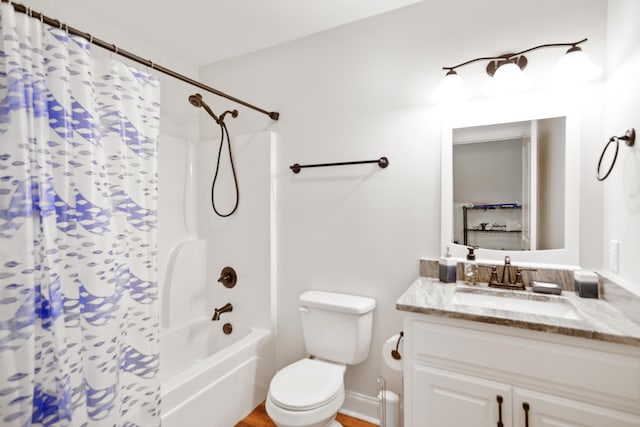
x=224 y=309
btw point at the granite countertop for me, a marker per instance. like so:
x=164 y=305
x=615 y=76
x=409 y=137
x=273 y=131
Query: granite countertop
x=596 y=318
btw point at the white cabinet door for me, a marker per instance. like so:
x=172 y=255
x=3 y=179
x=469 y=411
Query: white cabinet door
x=447 y=399
x=534 y=409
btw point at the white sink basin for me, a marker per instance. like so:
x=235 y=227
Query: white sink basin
x=515 y=303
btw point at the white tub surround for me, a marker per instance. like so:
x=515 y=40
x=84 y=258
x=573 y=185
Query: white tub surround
x=204 y=372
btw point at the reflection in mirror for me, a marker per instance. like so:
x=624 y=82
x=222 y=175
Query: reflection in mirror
x=508 y=185
x=545 y=128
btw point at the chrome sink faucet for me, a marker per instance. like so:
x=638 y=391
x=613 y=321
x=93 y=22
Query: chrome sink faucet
x=218 y=311
x=505 y=282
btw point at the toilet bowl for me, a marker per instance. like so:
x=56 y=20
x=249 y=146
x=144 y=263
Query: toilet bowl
x=307 y=393
x=337 y=331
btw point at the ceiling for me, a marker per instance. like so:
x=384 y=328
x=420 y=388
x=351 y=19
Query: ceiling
x=205 y=31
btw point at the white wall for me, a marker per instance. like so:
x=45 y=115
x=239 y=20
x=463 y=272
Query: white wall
x=359 y=92
x=622 y=188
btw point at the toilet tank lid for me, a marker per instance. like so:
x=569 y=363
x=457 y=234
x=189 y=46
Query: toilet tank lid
x=334 y=301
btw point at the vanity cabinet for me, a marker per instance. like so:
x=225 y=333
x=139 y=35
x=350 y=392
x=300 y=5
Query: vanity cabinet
x=464 y=373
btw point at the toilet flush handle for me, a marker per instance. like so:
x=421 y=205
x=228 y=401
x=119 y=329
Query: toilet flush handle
x=303 y=309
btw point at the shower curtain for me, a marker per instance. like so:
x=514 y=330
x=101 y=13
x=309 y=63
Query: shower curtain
x=79 y=324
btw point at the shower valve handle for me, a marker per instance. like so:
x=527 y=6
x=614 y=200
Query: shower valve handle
x=228 y=277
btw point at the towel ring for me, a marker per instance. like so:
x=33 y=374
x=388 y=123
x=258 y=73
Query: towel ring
x=629 y=138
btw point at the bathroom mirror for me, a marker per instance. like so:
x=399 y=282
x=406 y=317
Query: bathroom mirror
x=508 y=186
x=510 y=181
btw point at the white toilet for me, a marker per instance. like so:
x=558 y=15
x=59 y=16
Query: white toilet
x=337 y=332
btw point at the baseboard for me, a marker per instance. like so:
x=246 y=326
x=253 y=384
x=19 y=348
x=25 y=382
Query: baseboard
x=361 y=406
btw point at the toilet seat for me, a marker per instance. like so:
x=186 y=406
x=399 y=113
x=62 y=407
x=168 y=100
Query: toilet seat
x=307 y=384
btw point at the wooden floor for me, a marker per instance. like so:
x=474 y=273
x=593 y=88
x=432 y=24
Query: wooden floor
x=259 y=418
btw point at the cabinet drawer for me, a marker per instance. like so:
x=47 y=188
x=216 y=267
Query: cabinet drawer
x=606 y=376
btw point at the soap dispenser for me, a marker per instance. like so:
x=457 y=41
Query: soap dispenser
x=470 y=267
x=448 y=268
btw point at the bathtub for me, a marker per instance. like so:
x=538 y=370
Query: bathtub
x=211 y=379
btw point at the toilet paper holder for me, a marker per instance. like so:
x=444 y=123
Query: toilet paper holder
x=395 y=353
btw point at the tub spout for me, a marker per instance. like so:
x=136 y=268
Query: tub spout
x=218 y=311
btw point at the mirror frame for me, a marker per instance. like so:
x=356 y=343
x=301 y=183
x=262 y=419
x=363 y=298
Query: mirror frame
x=505 y=110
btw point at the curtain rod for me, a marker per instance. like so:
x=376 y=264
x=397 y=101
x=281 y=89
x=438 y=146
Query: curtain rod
x=274 y=115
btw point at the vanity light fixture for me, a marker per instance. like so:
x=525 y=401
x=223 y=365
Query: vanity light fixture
x=507 y=76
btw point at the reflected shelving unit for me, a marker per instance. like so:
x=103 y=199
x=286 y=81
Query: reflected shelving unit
x=491 y=226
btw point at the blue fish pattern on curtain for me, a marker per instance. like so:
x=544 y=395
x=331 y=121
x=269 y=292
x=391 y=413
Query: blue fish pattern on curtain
x=79 y=323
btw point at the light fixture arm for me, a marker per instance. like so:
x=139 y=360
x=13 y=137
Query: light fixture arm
x=509 y=56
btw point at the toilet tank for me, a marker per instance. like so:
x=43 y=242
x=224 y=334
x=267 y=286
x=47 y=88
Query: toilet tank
x=337 y=327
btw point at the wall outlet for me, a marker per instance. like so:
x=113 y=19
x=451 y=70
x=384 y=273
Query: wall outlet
x=614 y=247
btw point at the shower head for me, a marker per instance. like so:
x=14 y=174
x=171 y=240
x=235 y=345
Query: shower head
x=196 y=100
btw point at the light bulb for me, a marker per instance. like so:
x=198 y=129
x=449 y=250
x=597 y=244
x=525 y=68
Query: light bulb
x=451 y=89
x=508 y=78
x=575 y=67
